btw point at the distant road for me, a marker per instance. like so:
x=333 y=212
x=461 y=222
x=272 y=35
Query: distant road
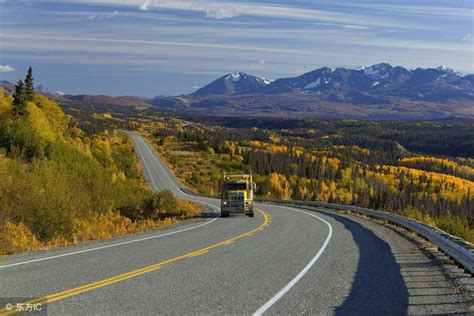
x=282 y=261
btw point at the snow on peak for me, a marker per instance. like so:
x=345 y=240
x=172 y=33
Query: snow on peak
x=235 y=76
x=449 y=70
x=313 y=84
x=267 y=81
x=444 y=68
x=378 y=71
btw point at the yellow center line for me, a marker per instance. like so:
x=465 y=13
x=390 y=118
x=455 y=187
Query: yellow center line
x=199 y=253
x=135 y=273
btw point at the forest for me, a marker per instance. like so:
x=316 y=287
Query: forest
x=314 y=164
x=60 y=185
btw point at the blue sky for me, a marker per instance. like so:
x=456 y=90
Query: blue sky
x=150 y=47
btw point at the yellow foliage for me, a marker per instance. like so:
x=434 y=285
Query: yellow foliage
x=17 y=238
x=5 y=106
x=273 y=148
x=189 y=207
x=464 y=170
x=102 y=115
x=101 y=226
x=324 y=194
x=279 y=187
x=39 y=122
x=55 y=115
x=274 y=138
x=298 y=150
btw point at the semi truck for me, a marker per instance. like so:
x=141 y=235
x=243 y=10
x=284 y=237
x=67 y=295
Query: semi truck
x=237 y=194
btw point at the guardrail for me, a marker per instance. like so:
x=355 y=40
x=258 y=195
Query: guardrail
x=444 y=242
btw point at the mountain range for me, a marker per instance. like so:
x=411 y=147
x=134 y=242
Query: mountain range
x=380 y=91
x=341 y=84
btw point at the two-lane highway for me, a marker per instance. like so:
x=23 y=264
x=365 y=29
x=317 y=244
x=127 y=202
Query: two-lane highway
x=283 y=261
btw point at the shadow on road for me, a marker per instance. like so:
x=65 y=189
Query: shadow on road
x=208 y=215
x=378 y=287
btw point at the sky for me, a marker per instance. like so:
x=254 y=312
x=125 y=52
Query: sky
x=165 y=47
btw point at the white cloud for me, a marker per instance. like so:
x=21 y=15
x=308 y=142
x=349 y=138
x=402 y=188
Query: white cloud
x=217 y=10
x=101 y=17
x=145 y=5
x=468 y=38
x=6 y=68
x=221 y=13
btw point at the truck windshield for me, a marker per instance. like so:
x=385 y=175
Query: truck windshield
x=236 y=186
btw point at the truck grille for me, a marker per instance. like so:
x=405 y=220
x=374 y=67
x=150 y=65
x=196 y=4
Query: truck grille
x=237 y=200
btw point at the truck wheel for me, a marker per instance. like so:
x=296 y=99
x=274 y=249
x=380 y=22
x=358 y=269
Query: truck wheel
x=250 y=214
x=224 y=215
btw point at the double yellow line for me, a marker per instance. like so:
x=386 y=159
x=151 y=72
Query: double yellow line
x=132 y=274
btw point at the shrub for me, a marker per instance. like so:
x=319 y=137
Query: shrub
x=16 y=238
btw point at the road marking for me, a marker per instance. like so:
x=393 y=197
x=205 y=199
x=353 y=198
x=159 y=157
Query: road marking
x=287 y=287
x=159 y=163
x=199 y=253
x=107 y=246
x=135 y=273
x=154 y=186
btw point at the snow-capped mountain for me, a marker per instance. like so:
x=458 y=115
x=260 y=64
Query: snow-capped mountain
x=376 y=91
x=233 y=83
x=376 y=79
x=42 y=89
x=375 y=82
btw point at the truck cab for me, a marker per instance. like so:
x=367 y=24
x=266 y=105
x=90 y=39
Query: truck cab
x=237 y=195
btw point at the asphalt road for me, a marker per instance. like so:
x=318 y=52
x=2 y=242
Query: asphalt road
x=282 y=261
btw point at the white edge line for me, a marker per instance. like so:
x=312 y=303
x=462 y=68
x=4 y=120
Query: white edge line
x=120 y=243
x=190 y=197
x=298 y=277
x=107 y=246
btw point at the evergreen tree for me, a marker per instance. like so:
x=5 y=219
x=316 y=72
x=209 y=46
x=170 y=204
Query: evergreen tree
x=29 y=86
x=19 y=99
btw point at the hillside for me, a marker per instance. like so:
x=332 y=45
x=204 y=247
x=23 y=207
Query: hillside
x=60 y=185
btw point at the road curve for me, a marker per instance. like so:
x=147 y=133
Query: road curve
x=282 y=261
